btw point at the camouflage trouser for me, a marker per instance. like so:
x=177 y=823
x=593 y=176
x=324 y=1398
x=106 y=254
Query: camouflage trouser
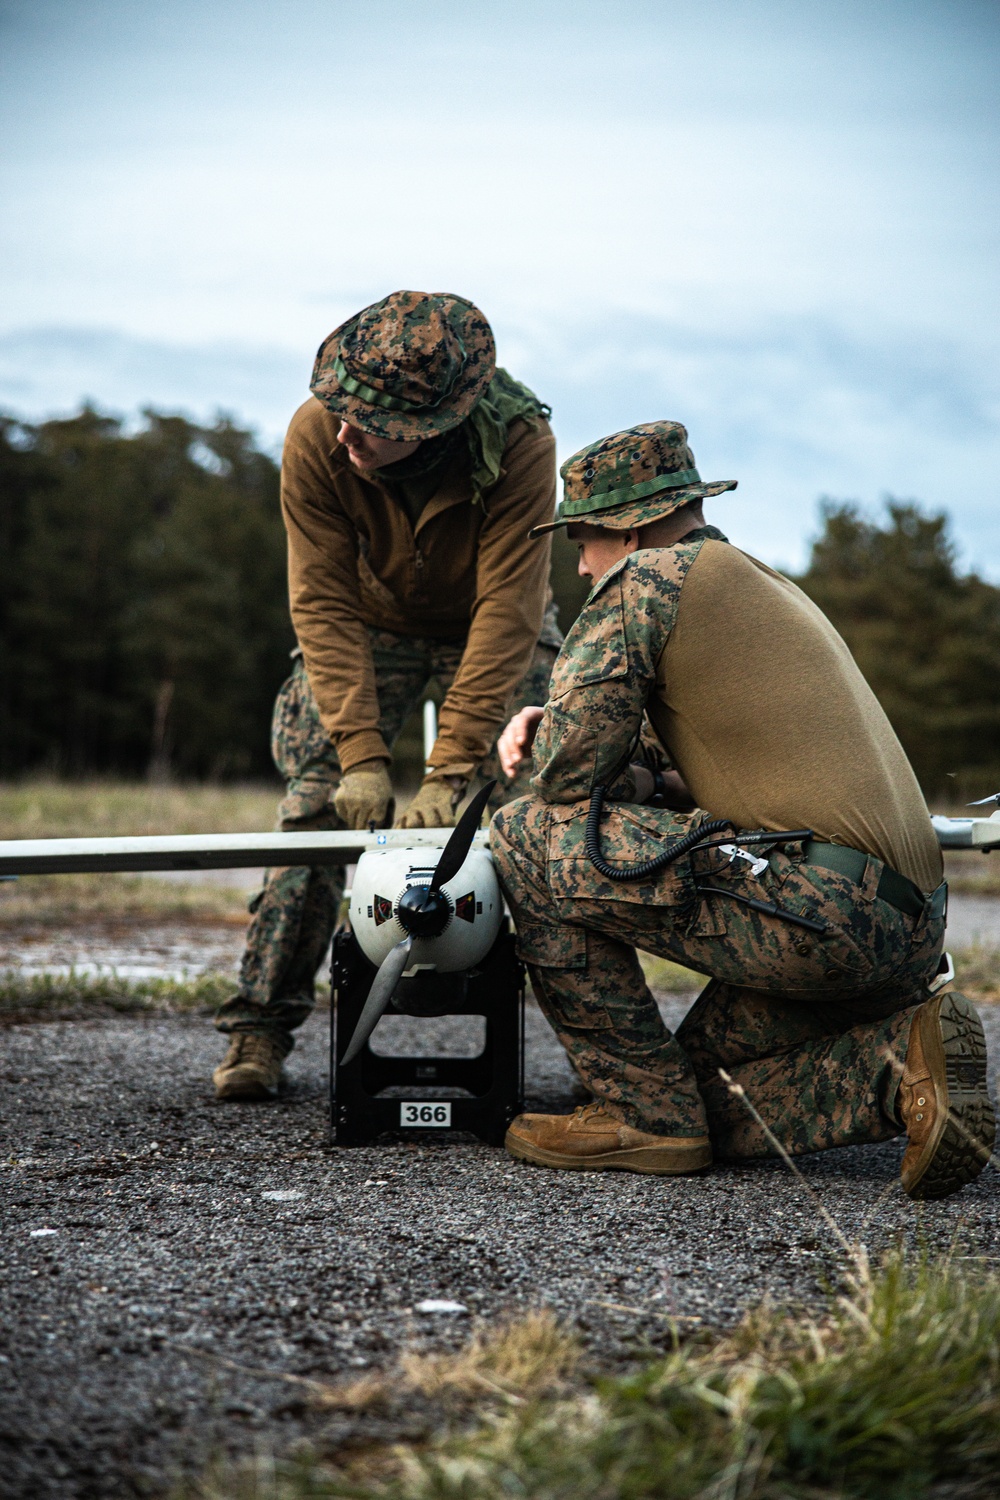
x=812 y=1027
x=295 y=913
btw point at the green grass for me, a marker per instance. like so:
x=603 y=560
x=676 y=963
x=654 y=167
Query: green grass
x=668 y=978
x=49 y=809
x=48 y=997
x=891 y=1393
x=45 y=808
x=977 y=972
x=77 y=997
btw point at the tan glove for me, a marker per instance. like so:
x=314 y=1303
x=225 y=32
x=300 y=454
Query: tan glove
x=435 y=804
x=364 y=795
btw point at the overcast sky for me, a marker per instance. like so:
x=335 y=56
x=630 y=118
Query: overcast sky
x=775 y=220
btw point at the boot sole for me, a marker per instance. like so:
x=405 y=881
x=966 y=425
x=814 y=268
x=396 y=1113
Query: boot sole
x=962 y=1141
x=656 y=1161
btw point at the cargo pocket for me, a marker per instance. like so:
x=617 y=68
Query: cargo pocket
x=630 y=833
x=551 y=947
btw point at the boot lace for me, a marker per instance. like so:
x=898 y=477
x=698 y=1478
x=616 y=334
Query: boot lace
x=251 y=1048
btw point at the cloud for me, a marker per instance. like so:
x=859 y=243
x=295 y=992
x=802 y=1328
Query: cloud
x=44 y=371
x=793 y=408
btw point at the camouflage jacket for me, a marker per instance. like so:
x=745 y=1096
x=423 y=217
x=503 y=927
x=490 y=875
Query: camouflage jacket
x=606 y=670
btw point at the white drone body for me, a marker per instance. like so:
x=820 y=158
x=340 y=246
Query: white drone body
x=411 y=912
x=472 y=922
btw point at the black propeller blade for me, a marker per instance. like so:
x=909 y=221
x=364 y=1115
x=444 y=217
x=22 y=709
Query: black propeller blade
x=454 y=852
x=453 y=857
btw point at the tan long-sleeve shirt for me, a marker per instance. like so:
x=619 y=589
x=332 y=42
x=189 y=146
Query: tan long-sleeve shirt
x=754 y=694
x=466 y=570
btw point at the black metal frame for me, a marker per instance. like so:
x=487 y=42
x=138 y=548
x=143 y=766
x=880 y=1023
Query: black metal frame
x=494 y=989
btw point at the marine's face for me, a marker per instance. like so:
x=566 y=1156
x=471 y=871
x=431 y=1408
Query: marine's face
x=367 y=452
x=599 y=547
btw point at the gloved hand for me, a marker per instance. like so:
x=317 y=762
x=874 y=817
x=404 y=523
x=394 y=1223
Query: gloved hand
x=435 y=804
x=364 y=794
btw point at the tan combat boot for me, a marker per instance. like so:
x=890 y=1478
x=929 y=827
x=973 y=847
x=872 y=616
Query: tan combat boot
x=592 y=1140
x=251 y=1069
x=943 y=1100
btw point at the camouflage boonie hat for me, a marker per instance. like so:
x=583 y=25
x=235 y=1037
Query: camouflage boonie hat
x=630 y=479
x=410 y=366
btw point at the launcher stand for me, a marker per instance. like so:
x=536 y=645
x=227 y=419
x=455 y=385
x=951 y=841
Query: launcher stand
x=429 y=1094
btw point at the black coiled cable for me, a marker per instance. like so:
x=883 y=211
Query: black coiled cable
x=647 y=867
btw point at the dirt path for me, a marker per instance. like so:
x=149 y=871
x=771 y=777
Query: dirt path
x=155 y=1241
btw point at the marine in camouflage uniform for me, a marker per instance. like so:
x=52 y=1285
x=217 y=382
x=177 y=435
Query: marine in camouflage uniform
x=410 y=481
x=820 y=952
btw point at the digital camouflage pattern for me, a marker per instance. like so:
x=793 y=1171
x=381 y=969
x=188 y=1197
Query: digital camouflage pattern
x=411 y=366
x=803 y=1021
x=295 y=913
x=631 y=478
x=606 y=670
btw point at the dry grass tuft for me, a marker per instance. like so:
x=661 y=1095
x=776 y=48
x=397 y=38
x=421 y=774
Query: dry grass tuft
x=977 y=972
x=894 y=1392
x=521 y=1359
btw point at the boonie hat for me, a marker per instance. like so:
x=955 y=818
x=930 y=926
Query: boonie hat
x=630 y=479
x=411 y=366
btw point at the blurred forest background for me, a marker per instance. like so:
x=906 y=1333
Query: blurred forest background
x=144 y=624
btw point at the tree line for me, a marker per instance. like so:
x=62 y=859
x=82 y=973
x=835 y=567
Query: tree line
x=144 y=620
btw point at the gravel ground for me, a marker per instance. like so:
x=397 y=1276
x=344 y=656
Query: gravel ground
x=168 y=1260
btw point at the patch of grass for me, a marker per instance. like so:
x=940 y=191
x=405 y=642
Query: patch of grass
x=44 y=808
x=39 y=901
x=893 y=1392
x=970 y=873
x=84 y=997
x=666 y=978
x=977 y=972
x=520 y=1359
x=51 y=997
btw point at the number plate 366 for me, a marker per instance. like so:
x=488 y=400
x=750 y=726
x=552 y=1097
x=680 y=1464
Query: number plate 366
x=425 y=1113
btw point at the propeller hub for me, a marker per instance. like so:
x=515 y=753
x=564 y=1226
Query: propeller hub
x=423 y=912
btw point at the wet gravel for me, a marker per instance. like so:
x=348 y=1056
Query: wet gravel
x=168 y=1261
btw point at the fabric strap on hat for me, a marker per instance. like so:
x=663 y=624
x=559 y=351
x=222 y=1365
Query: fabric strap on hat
x=611 y=499
x=371 y=397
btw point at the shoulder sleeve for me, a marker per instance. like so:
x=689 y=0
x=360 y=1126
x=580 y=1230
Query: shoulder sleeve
x=602 y=681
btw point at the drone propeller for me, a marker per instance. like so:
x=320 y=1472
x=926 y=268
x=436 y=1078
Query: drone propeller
x=385 y=981
x=984 y=800
x=454 y=853
x=424 y=913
